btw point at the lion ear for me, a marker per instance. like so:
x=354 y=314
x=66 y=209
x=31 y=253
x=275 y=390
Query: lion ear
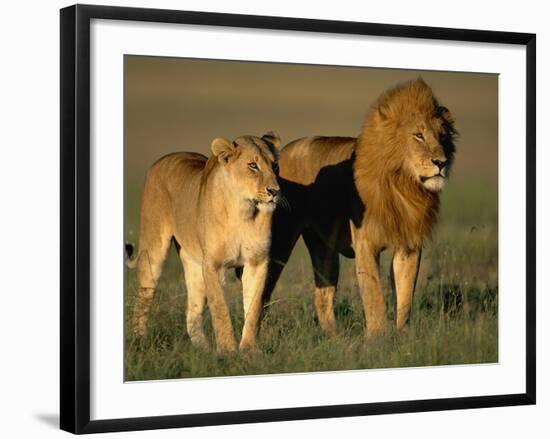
x=420 y=81
x=223 y=149
x=273 y=139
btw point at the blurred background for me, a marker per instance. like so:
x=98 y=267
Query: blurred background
x=174 y=104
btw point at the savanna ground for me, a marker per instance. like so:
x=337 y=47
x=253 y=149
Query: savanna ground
x=454 y=318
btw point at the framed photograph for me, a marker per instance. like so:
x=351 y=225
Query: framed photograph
x=273 y=218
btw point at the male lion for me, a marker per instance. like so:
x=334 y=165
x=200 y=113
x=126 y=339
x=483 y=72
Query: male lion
x=218 y=211
x=359 y=196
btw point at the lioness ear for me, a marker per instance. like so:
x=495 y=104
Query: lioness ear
x=223 y=149
x=274 y=139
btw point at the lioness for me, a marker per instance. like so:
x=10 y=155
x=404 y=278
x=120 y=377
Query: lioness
x=218 y=211
x=359 y=196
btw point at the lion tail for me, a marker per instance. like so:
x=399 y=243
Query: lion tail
x=129 y=249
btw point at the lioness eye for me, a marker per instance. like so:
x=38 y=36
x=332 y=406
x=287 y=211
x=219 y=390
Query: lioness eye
x=253 y=166
x=419 y=136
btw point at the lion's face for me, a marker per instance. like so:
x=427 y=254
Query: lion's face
x=428 y=151
x=250 y=164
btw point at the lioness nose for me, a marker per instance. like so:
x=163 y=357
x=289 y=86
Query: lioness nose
x=440 y=163
x=272 y=190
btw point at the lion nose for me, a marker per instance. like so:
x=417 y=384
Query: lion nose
x=440 y=163
x=273 y=191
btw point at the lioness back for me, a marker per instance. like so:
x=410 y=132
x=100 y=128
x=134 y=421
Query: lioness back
x=176 y=169
x=170 y=199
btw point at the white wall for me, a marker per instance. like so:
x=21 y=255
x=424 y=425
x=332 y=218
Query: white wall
x=29 y=205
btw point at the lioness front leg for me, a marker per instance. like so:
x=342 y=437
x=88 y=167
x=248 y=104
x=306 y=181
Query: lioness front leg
x=221 y=320
x=367 y=267
x=254 y=278
x=404 y=272
x=196 y=301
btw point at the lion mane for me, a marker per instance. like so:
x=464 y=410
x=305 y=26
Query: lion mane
x=403 y=211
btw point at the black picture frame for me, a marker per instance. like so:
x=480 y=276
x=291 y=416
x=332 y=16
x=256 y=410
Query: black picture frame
x=75 y=217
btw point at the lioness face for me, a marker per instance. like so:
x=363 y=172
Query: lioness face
x=250 y=163
x=429 y=151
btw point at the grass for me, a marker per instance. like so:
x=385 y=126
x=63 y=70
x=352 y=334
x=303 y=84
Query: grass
x=454 y=318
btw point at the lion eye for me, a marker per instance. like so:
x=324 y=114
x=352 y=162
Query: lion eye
x=419 y=136
x=253 y=166
x=275 y=167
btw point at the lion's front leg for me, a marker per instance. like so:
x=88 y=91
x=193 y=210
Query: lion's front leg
x=367 y=267
x=254 y=278
x=404 y=272
x=221 y=319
